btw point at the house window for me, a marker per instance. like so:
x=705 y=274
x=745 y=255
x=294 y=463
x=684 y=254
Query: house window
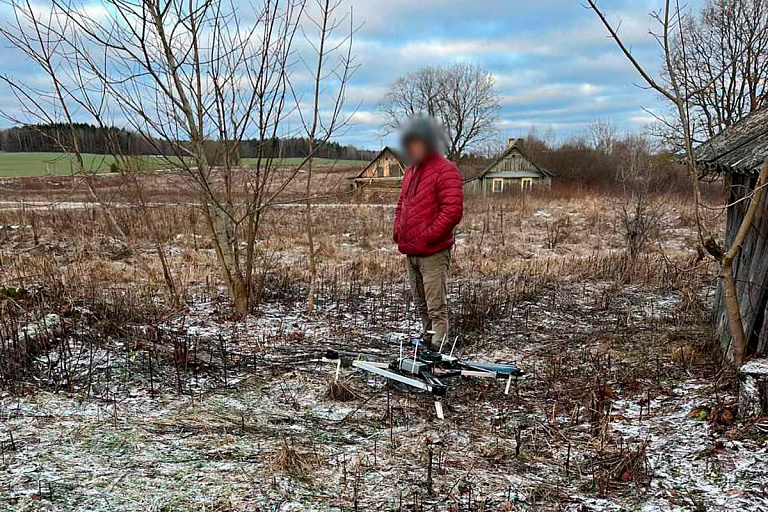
x=497 y=185
x=526 y=184
x=394 y=170
x=379 y=170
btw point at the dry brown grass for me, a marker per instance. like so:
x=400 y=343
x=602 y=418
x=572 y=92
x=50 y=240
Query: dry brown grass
x=620 y=465
x=508 y=249
x=292 y=461
x=568 y=234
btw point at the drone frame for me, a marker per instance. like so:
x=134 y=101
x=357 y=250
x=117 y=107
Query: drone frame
x=424 y=370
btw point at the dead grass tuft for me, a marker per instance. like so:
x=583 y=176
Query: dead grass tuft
x=290 y=461
x=339 y=391
x=623 y=464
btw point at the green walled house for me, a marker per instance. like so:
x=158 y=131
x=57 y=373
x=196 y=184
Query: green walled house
x=511 y=172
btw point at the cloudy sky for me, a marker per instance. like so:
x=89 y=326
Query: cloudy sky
x=554 y=67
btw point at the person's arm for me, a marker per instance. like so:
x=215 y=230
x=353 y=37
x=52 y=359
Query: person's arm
x=450 y=197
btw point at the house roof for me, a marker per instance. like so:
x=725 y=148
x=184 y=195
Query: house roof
x=741 y=148
x=396 y=154
x=509 y=150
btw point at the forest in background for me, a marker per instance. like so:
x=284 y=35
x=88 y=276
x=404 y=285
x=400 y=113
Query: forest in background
x=93 y=139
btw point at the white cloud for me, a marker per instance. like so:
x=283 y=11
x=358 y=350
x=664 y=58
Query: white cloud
x=367 y=117
x=642 y=119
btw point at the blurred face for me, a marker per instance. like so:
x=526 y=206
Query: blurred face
x=417 y=150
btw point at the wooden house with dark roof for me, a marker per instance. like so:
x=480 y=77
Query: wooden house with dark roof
x=383 y=173
x=738 y=154
x=512 y=171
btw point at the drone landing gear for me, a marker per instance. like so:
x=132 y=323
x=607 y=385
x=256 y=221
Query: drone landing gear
x=439 y=410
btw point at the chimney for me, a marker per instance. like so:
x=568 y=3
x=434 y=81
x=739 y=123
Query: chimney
x=511 y=142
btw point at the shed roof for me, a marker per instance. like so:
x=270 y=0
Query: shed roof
x=741 y=148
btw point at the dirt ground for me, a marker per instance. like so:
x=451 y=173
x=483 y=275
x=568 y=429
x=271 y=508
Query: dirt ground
x=133 y=403
x=164 y=186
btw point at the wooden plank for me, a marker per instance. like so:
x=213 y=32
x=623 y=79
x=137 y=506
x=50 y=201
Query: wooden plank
x=735 y=185
x=757 y=328
x=742 y=272
x=762 y=342
x=719 y=305
x=751 y=268
x=753 y=389
x=369 y=170
x=754 y=273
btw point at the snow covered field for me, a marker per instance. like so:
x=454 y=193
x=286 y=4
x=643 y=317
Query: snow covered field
x=273 y=440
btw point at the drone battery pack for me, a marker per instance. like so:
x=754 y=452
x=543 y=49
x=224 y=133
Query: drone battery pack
x=411 y=366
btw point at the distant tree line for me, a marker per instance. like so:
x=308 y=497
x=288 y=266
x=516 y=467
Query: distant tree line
x=603 y=157
x=297 y=147
x=598 y=156
x=94 y=139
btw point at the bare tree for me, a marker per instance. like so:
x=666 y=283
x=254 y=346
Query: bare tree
x=463 y=97
x=419 y=92
x=327 y=26
x=674 y=89
x=632 y=156
x=470 y=106
x=602 y=134
x=42 y=36
x=722 y=56
x=199 y=76
x=640 y=208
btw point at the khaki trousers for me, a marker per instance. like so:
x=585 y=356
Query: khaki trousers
x=428 y=276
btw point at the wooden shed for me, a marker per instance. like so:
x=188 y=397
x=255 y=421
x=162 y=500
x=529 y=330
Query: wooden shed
x=384 y=172
x=737 y=154
x=513 y=171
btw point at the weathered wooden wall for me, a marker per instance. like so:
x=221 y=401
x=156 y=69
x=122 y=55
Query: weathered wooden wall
x=514 y=161
x=751 y=270
x=473 y=186
x=484 y=185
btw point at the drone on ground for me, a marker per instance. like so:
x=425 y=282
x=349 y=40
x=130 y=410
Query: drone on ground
x=423 y=368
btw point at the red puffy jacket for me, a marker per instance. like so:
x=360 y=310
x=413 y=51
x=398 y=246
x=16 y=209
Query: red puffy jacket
x=430 y=205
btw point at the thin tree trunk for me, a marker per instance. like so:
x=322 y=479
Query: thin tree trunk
x=312 y=289
x=237 y=287
x=167 y=273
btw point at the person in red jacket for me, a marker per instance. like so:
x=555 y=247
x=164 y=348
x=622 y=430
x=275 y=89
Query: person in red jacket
x=430 y=205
